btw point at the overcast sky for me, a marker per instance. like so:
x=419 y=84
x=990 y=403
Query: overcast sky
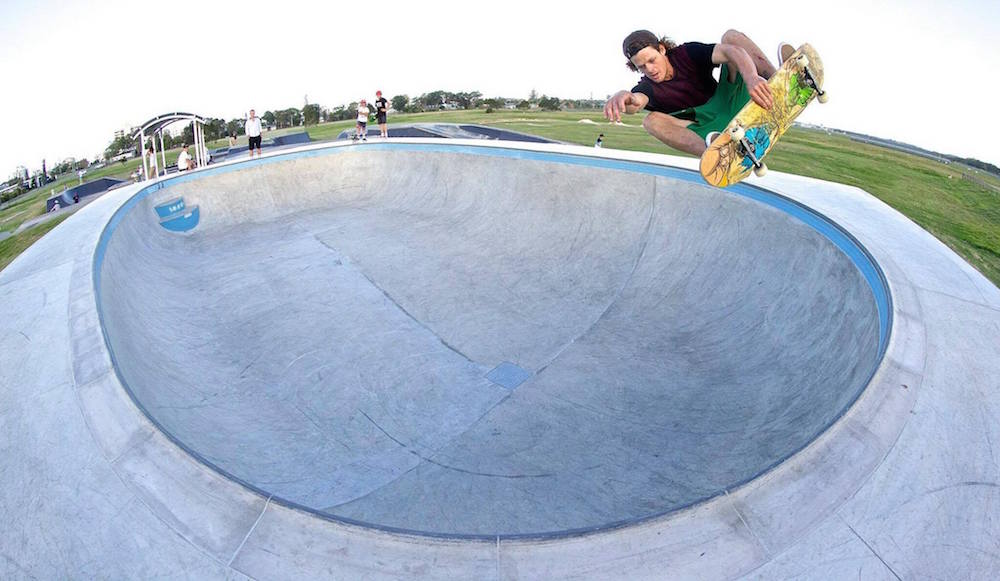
x=75 y=72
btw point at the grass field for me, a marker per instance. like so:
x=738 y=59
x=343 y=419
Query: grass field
x=11 y=247
x=963 y=214
x=32 y=204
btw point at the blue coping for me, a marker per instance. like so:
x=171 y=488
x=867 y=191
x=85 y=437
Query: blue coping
x=851 y=247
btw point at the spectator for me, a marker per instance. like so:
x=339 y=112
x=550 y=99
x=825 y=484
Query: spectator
x=600 y=141
x=184 y=160
x=381 y=109
x=154 y=169
x=254 y=129
x=56 y=206
x=362 y=128
x=232 y=140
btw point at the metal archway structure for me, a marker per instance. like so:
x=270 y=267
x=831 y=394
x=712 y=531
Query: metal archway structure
x=155 y=126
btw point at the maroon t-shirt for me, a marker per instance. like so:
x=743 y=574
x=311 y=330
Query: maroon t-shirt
x=692 y=84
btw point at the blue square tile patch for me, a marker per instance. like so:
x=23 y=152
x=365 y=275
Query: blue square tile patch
x=508 y=375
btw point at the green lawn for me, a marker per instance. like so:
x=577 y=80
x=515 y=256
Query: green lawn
x=961 y=213
x=11 y=247
x=32 y=204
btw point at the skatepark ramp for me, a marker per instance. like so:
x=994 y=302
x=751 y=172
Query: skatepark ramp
x=90 y=188
x=461 y=341
x=448 y=131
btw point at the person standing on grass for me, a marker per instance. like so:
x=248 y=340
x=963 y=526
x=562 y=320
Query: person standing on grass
x=254 y=129
x=362 y=129
x=381 y=110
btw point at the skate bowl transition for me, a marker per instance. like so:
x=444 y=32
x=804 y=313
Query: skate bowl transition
x=481 y=342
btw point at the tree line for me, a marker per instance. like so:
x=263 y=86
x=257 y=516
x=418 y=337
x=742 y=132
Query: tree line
x=313 y=114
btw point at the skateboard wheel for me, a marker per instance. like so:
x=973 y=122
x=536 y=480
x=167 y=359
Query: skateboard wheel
x=823 y=97
x=737 y=133
x=760 y=171
x=802 y=61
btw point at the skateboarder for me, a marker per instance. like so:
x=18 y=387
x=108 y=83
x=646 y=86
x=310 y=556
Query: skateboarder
x=685 y=101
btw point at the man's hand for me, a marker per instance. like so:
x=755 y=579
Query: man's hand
x=618 y=104
x=760 y=92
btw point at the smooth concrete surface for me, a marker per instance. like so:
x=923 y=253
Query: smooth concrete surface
x=903 y=485
x=327 y=332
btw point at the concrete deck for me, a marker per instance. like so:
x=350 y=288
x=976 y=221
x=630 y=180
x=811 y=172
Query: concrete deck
x=317 y=354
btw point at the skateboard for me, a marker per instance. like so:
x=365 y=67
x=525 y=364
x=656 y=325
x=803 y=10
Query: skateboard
x=748 y=138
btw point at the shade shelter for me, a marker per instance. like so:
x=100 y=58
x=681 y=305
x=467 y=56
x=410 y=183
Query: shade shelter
x=154 y=128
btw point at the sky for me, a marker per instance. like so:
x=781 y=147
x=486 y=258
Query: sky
x=77 y=71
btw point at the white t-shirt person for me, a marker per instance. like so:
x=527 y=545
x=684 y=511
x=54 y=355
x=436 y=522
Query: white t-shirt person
x=363 y=112
x=253 y=127
x=183 y=159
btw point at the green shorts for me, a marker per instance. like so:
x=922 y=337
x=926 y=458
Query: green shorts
x=714 y=115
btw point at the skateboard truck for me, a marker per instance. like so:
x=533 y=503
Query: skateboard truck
x=802 y=62
x=738 y=135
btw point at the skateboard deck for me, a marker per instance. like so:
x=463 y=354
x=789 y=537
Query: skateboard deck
x=748 y=138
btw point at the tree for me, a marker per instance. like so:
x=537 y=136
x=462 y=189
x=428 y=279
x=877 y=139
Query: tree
x=287 y=118
x=432 y=101
x=62 y=167
x=235 y=127
x=467 y=100
x=549 y=103
x=311 y=113
x=169 y=141
x=399 y=102
x=121 y=145
x=269 y=118
x=524 y=105
x=214 y=129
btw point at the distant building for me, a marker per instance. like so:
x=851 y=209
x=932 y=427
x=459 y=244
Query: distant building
x=127 y=154
x=122 y=133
